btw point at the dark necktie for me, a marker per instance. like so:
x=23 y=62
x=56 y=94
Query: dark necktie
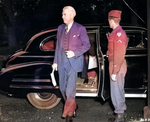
x=66 y=29
x=65 y=45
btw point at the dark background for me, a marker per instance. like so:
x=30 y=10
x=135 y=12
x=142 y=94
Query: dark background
x=21 y=19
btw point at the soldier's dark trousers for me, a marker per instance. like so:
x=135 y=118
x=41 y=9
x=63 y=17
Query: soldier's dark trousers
x=117 y=90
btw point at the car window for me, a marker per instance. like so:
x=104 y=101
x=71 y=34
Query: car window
x=48 y=44
x=137 y=39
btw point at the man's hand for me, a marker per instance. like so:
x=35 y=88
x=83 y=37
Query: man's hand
x=70 y=54
x=54 y=66
x=113 y=77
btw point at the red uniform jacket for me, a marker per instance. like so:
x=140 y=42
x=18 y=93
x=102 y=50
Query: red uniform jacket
x=117 y=44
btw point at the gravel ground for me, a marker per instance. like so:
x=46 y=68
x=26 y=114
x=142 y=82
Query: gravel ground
x=90 y=110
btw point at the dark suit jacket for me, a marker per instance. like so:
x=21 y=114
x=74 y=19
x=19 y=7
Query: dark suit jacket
x=78 y=43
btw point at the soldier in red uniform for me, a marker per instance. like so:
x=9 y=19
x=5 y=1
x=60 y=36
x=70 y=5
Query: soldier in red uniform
x=117 y=44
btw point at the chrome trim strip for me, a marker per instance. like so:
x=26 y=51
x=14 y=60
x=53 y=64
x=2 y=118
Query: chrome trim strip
x=30 y=80
x=135 y=55
x=33 y=87
x=33 y=56
x=135 y=27
x=86 y=94
x=139 y=55
x=135 y=95
x=126 y=95
x=16 y=66
x=84 y=89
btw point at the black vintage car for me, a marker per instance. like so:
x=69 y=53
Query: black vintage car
x=27 y=72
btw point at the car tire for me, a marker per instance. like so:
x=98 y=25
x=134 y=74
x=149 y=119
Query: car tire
x=43 y=100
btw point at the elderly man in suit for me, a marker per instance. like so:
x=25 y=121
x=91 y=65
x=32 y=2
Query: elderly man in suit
x=72 y=43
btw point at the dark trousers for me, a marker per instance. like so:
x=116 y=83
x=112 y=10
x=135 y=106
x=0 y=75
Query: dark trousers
x=67 y=84
x=117 y=90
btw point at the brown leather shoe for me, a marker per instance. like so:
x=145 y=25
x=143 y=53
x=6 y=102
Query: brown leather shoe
x=69 y=119
x=118 y=118
x=75 y=112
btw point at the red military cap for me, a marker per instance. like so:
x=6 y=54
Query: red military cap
x=115 y=13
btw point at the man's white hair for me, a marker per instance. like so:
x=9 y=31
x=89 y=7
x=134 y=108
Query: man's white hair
x=71 y=9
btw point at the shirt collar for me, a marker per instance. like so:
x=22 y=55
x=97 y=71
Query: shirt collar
x=69 y=26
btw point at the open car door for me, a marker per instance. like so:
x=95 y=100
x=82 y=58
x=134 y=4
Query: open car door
x=101 y=87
